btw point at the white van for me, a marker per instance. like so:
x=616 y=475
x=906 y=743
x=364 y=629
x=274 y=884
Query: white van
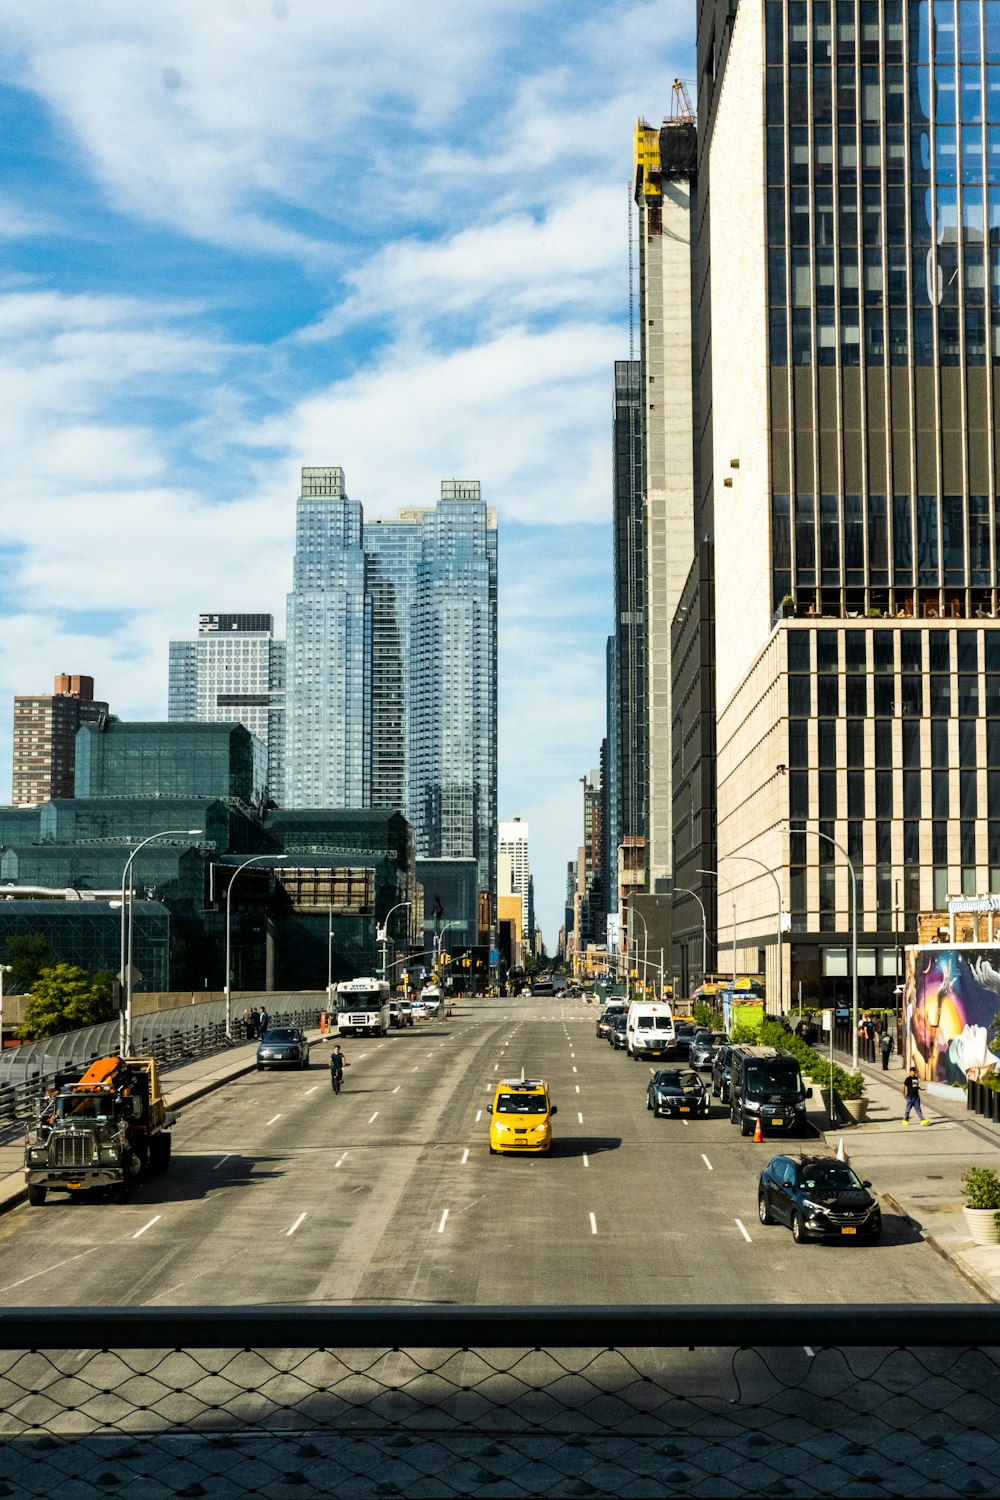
x=649 y=1030
x=430 y=997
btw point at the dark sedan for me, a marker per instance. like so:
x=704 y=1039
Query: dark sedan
x=720 y=1071
x=704 y=1048
x=605 y=1018
x=618 y=1035
x=818 y=1197
x=282 y=1047
x=684 y=1035
x=677 y=1091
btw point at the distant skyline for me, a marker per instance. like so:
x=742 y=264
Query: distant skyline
x=242 y=240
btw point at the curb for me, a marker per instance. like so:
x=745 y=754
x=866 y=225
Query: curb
x=975 y=1281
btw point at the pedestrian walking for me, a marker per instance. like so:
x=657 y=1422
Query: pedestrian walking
x=885 y=1047
x=248 y=1024
x=911 y=1096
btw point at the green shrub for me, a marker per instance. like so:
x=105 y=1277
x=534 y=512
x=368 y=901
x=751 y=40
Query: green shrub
x=981 y=1188
x=854 y=1086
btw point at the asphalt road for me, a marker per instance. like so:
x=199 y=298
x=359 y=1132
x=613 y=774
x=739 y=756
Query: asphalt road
x=281 y=1192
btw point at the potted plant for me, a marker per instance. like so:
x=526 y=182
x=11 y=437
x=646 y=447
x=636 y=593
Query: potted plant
x=852 y=1087
x=787 y=606
x=981 y=1191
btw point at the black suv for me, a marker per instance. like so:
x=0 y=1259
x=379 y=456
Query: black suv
x=765 y=1084
x=818 y=1197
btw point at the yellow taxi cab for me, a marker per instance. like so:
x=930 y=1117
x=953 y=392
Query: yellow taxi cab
x=521 y=1116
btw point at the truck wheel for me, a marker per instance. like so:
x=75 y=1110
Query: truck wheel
x=119 y=1194
x=36 y=1195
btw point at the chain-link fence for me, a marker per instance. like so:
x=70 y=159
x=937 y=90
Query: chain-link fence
x=776 y=1401
x=171 y=1036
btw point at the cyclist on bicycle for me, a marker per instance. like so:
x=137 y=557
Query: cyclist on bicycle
x=337 y=1061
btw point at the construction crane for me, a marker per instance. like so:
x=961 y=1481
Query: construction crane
x=681 y=107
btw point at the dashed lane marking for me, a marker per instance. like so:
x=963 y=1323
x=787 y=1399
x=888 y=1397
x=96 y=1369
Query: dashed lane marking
x=313 y=1089
x=374 y=1117
x=586 y=1159
x=295 y=1226
x=397 y=1088
x=811 y=1352
x=465 y=1156
x=579 y=1117
x=593 y=1224
x=340 y=1159
x=577 y=1087
x=273 y=1118
x=574 y=1069
x=444 y=1220
x=154 y=1220
x=479 y=1115
x=218 y=1164
x=743 y=1231
x=707 y=1162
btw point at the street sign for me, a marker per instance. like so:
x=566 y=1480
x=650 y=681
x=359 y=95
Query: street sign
x=494 y=955
x=130 y=975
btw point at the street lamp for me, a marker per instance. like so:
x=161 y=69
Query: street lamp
x=781 y=914
x=382 y=933
x=254 y=859
x=727 y=889
x=645 y=941
x=125 y=973
x=683 y=890
x=4 y=969
x=854 y=933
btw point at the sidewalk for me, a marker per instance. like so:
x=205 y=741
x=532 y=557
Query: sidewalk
x=918 y=1170
x=181 y=1085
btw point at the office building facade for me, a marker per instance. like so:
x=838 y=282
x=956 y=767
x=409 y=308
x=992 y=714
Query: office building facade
x=392 y=665
x=233 y=672
x=852 y=288
x=45 y=726
x=514 y=870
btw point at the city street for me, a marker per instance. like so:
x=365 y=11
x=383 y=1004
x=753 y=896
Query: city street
x=281 y=1192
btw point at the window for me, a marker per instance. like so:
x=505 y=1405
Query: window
x=828 y=695
x=857 y=697
x=911 y=794
x=855 y=744
x=798 y=743
x=827 y=740
x=883 y=743
x=940 y=794
x=799 y=699
x=911 y=744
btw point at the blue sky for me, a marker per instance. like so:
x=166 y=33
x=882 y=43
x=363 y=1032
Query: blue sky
x=242 y=237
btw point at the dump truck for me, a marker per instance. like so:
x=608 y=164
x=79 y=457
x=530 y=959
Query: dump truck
x=103 y=1126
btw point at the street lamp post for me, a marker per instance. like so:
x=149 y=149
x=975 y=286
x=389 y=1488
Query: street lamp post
x=125 y=974
x=645 y=941
x=854 y=935
x=683 y=890
x=727 y=890
x=382 y=933
x=4 y=969
x=781 y=913
x=254 y=859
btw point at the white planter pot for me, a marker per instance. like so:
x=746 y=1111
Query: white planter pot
x=982 y=1225
x=855 y=1109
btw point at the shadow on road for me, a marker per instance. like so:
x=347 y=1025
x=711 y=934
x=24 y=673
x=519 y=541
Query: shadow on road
x=585 y=1145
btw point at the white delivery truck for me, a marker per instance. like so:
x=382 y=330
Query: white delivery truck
x=430 y=996
x=649 y=1030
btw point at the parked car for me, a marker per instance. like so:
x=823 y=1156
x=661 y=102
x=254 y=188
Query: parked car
x=618 y=1034
x=818 y=1197
x=677 y=1091
x=704 y=1047
x=684 y=1034
x=720 y=1071
x=282 y=1047
x=765 y=1084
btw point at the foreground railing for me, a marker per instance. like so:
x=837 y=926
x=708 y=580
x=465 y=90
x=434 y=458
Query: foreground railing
x=861 y=1401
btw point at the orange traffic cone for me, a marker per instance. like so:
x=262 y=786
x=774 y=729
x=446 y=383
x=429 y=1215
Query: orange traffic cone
x=758 y=1134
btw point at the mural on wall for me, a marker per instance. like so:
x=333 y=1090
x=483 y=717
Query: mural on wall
x=952 y=1000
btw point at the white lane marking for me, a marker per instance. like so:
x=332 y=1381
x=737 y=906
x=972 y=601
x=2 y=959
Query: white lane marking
x=743 y=1231
x=593 y=1224
x=579 y=1117
x=577 y=1087
x=572 y=1054
x=273 y=1119
x=295 y=1226
x=496 y=1067
x=374 y=1117
x=465 y=1156
x=444 y=1220
x=479 y=1115
x=340 y=1159
x=313 y=1089
x=430 y=1054
x=218 y=1164
x=707 y=1162
x=361 y=1055
x=57 y=1267
x=416 y=1069
x=811 y=1352
x=154 y=1220
x=586 y=1159
x=574 y=1070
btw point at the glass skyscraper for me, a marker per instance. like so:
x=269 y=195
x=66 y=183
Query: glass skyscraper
x=391 y=698
x=848 y=248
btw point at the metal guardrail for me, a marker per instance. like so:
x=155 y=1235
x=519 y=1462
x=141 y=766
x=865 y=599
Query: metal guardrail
x=172 y=1037
x=509 y=1401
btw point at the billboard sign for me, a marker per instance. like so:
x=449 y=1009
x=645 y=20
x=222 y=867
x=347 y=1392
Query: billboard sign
x=952 y=998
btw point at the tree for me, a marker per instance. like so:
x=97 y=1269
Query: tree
x=28 y=954
x=64 y=998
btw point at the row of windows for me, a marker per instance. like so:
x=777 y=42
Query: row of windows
x=911 y=696
x=918 y=649
x=857 y=794
x=962 y=31
x=939 y=741
x=934 y=541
